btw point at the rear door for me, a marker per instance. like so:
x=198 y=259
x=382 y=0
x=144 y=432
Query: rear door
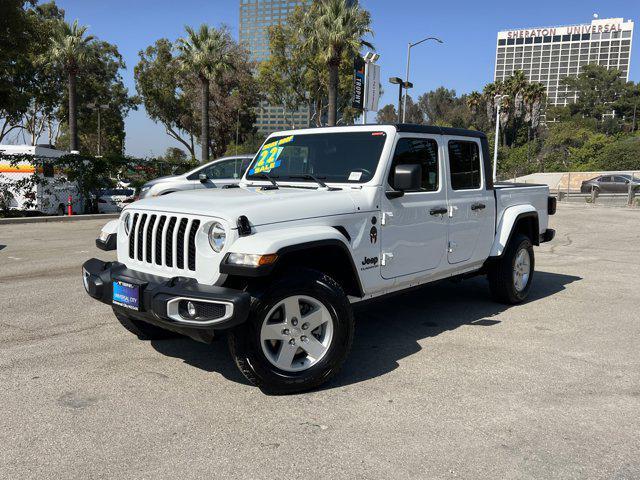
x=471 y=205
x=414 y=226
x=605 y=183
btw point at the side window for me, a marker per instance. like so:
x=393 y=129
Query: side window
x=220 y=170
x=418 y=151
x=620 y=179
x=464 y=163
x=604 y=179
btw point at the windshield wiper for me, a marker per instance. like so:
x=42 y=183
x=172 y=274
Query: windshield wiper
x=308 y=176
x=270 y=178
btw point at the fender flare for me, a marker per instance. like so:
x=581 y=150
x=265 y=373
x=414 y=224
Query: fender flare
x=504 y=229
x=282 y=242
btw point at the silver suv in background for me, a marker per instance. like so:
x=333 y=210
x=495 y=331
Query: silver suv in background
x=215 y=174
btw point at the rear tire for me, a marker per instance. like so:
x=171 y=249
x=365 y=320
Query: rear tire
x=143 y=330
x=298 y=334
x=510 y=276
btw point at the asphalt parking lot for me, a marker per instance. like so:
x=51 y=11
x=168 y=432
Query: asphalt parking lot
x=441 y=382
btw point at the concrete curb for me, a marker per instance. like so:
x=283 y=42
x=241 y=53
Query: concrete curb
x=72 y=218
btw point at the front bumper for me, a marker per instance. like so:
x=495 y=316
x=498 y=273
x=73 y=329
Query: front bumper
x=160 y=299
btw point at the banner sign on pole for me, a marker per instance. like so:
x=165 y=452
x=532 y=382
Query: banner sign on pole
x=358 y=83
x=373 y=87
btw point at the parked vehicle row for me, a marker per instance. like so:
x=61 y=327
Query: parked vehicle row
x=322 y=219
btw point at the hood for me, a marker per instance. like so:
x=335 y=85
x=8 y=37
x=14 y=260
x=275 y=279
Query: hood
x=261 y=207
x=150 y=183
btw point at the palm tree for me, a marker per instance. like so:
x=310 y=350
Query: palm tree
x=515 y=86
x=474 y=99
x=337 y=26
x=206 y=53
x=533 y=95
x=70 y=49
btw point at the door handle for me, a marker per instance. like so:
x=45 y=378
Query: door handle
x=478 y=206
x=438 y=211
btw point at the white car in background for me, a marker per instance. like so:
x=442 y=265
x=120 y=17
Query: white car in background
x=216 y=174
x=113 y=200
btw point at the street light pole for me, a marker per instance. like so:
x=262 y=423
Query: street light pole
x=398 y=81
x=409 y=47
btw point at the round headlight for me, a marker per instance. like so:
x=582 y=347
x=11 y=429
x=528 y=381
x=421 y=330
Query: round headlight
x=217 y=236
x=128 y=221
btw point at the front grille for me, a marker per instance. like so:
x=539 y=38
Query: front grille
x=164 y=240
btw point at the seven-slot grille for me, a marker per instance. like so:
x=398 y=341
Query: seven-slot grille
x=164 y=240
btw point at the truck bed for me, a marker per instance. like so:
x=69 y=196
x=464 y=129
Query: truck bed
x=512 y=194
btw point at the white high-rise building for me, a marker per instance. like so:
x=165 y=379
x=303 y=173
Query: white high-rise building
x=548 y=54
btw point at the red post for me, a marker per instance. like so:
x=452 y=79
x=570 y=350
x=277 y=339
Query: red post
x=69 y=206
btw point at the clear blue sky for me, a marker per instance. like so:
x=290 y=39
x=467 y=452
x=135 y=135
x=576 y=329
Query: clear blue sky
x=464 y=62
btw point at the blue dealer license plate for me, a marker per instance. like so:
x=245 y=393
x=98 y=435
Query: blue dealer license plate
x=126 y=295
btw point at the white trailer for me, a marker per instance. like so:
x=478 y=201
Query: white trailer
x=50 y=194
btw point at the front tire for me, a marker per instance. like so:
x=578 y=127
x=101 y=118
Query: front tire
x=298 y=334
x=510 y=276
x=143 y=330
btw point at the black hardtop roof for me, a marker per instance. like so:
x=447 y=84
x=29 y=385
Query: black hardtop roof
x=436 y=130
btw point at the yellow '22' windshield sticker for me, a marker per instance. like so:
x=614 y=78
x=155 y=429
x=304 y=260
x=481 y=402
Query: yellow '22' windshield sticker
x=269 y=155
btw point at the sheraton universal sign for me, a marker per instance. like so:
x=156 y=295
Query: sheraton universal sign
x=597 y=26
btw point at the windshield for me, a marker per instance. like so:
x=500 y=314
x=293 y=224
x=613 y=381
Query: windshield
x=349 y=157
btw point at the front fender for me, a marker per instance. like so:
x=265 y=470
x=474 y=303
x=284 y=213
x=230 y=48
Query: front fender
x=506 y=224
x=273 y=241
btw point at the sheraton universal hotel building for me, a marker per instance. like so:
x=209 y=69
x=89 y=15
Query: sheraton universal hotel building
x=549 y=54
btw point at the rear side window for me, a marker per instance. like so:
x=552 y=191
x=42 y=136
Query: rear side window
x=464 y=163
x=221 y=170
x=418 y=151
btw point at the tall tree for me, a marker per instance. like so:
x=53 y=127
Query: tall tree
x=207 y=54
x=160 y=84
x=70 y=50
x=335 y=27
x=387 y=115
x=16 y=42
x=597 y=89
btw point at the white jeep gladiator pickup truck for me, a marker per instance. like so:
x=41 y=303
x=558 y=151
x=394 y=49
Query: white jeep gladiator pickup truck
x=322 y=219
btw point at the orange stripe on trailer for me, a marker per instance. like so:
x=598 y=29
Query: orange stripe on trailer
x=17 y=169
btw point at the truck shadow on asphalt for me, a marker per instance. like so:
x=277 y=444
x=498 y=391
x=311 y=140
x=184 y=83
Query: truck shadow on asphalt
x=390 y=330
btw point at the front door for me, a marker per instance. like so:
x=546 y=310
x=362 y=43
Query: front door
x=414 y=226
x=471 y=205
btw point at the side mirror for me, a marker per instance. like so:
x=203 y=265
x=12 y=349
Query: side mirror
x=203 y=177
x=405 y=178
